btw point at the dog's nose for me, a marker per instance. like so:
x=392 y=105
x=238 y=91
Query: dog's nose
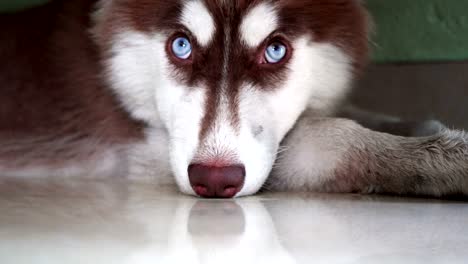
x=216 y=182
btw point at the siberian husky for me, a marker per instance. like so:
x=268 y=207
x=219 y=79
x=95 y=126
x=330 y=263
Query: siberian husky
x=225 y=97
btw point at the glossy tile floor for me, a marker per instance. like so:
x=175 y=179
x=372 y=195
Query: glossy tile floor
x=113 y=222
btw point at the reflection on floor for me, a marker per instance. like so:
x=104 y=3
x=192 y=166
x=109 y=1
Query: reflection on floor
x=134 y=222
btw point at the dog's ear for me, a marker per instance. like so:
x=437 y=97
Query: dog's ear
x=97 y=16
x=102 y=5
x=344 y=23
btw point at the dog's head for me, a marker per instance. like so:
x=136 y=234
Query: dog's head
x=229 y=78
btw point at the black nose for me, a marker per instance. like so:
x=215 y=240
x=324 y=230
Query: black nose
x=216 y=182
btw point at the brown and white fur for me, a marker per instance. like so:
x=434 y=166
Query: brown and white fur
x=91 y=88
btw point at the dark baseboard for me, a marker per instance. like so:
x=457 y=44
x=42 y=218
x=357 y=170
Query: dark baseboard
x=417 y=91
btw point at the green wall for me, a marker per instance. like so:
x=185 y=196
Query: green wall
x=13 y=5
x=420 y=30
x=406 y=30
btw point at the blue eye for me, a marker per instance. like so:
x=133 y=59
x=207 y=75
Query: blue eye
x=275 y=52
x=182 y=48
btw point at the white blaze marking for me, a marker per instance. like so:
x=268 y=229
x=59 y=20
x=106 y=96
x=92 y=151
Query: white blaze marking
x=258 y=24
x=197 y=19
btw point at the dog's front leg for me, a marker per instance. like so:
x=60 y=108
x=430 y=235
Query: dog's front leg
x=339 y=155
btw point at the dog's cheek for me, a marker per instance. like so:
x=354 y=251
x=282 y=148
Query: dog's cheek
x=181 y=109
x=258 y=137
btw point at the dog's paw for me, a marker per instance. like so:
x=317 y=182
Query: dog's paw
x=426 y=128
x=413 y=129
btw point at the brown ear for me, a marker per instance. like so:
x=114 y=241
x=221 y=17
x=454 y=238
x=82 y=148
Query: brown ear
x=345 y=23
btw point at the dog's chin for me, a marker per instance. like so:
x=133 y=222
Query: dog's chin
x=257 y=174
x=185 y=188
x=182 y=179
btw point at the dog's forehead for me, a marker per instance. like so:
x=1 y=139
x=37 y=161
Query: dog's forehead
x=340 y=22
x=153 y=14
x=196 y=17
x=254 y=21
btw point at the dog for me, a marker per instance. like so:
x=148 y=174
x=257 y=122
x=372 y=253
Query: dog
x=224 y=97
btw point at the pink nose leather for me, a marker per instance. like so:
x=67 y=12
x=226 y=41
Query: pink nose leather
x=216 y=182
